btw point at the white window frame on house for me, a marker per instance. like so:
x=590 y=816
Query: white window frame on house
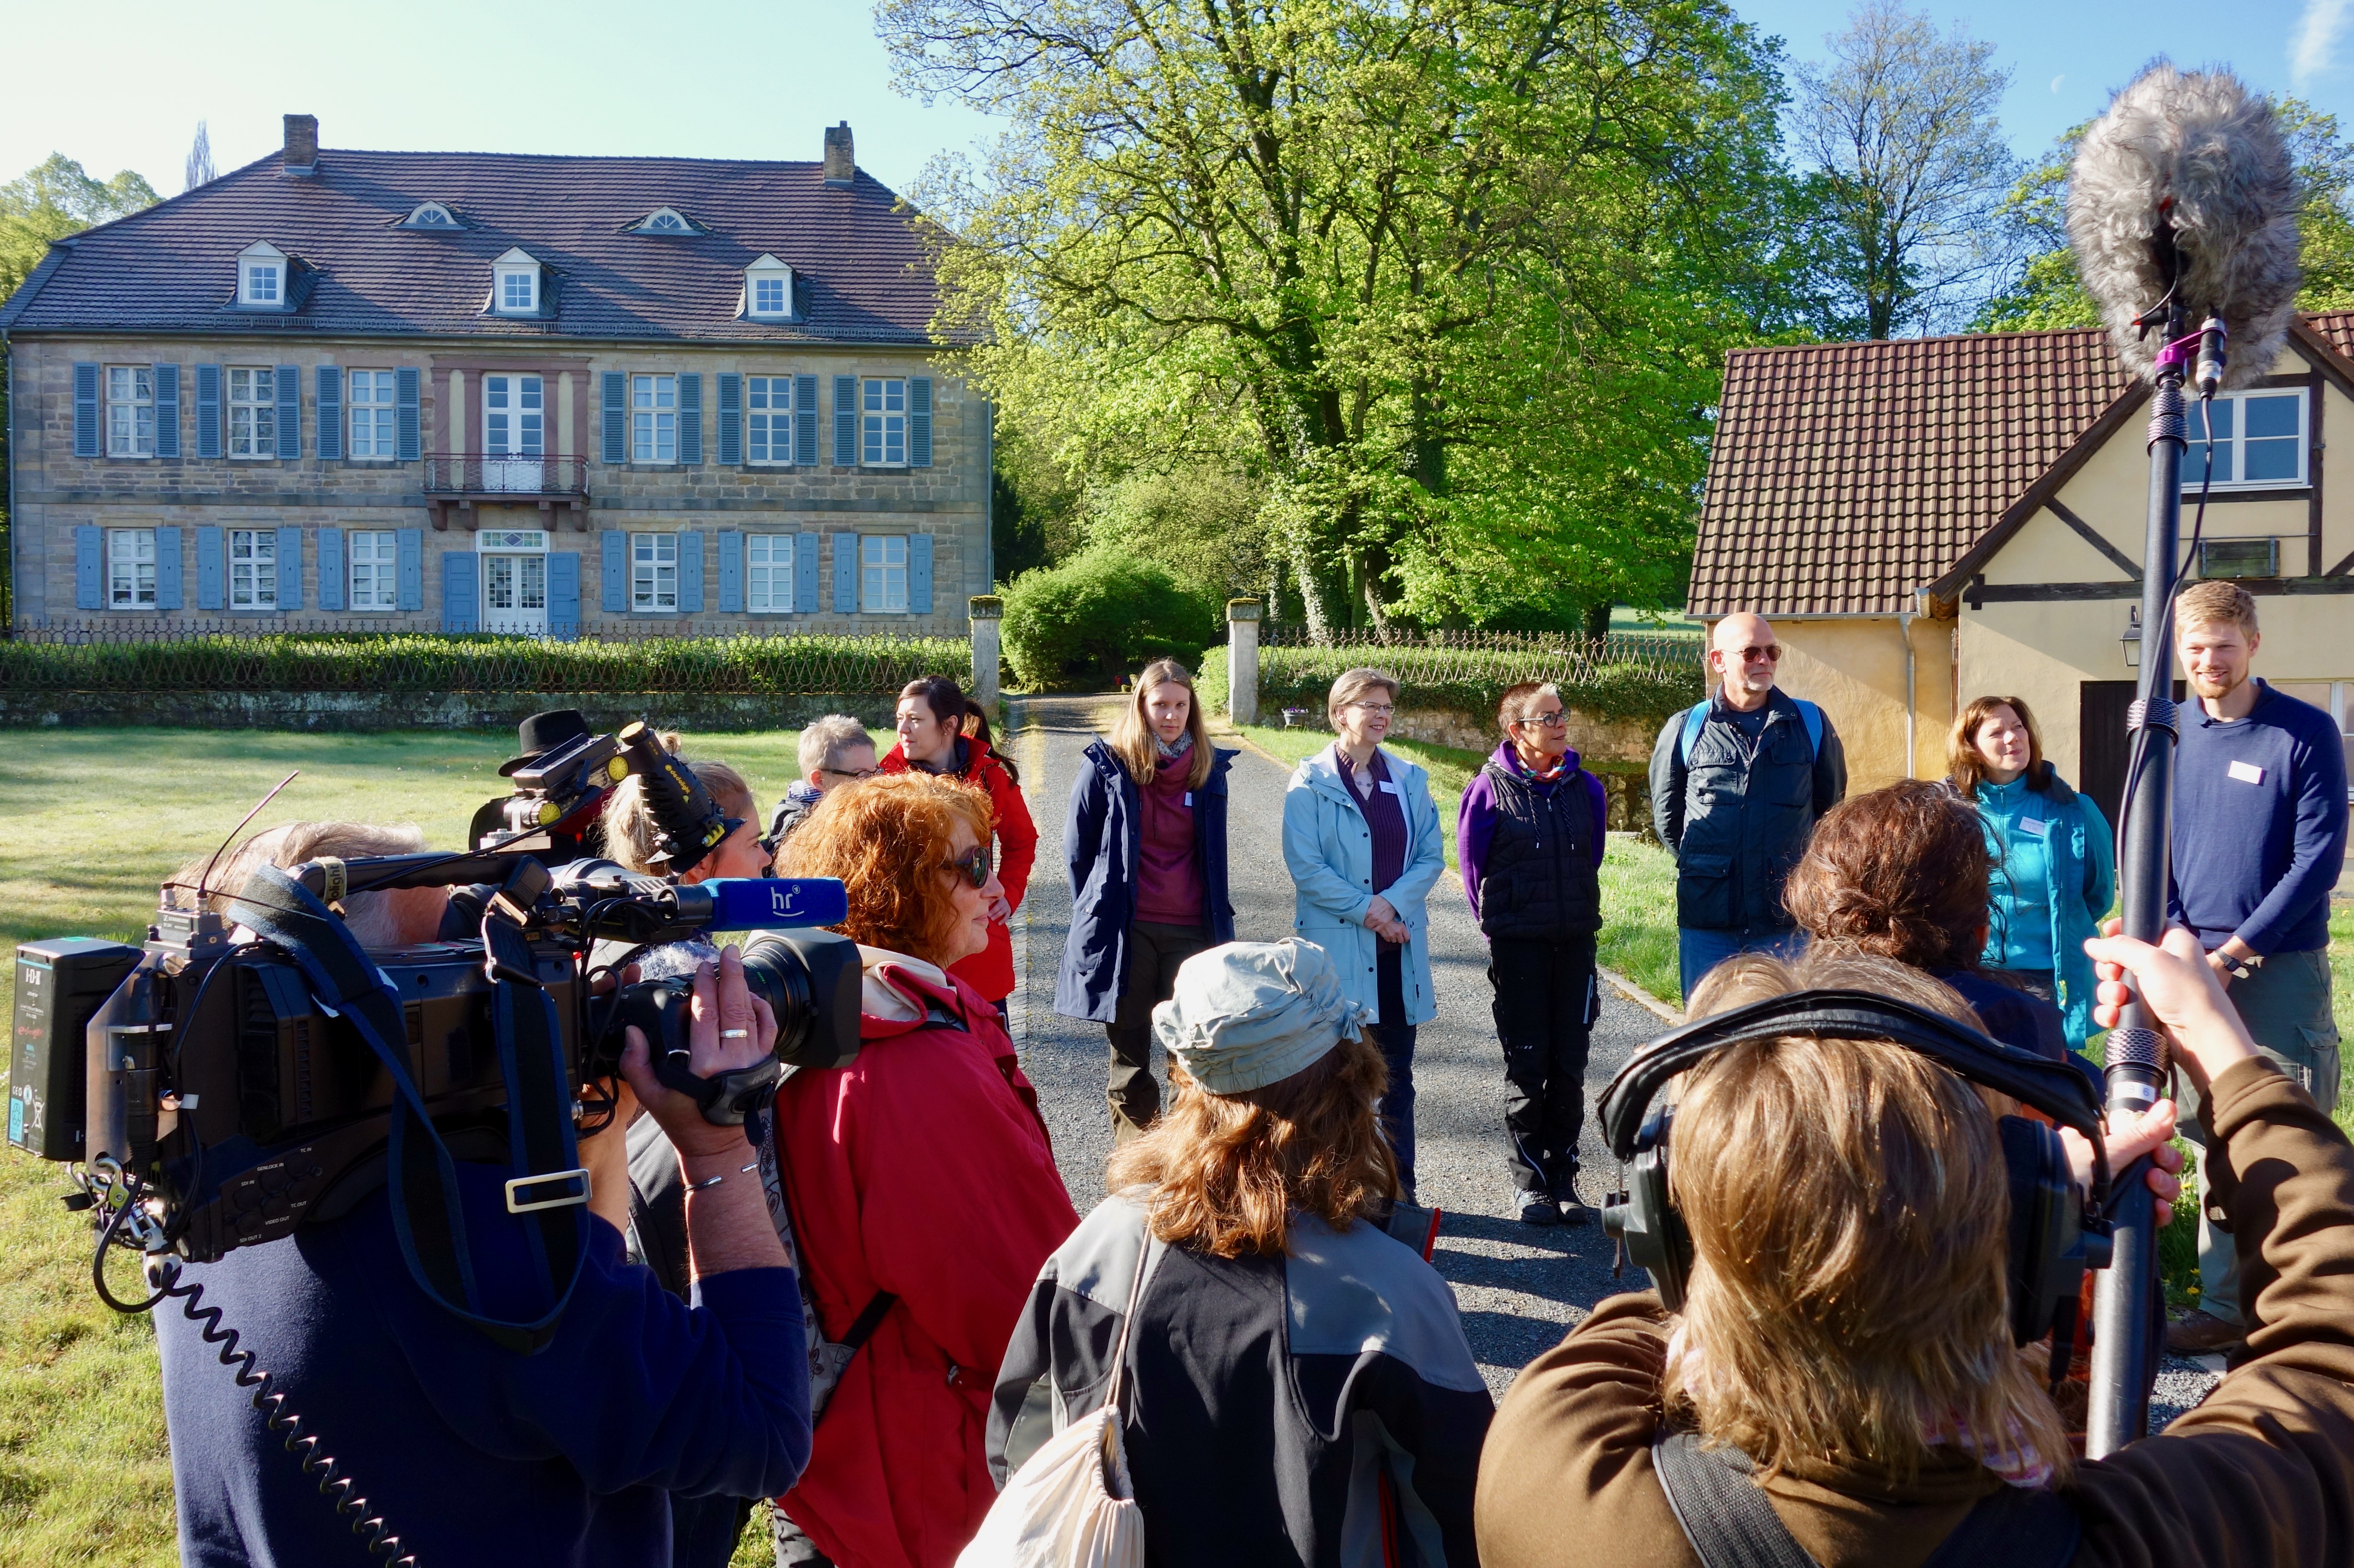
x=131 y=568
x=254 y=570
x=515 y=284
x=769 y=290
x=768 y=421
x=2230 y=449
x=882 y=421
x=768 y=574
x=373 y=556
x=373 y=397
x=653 y=574
x=653 y=417
x=882 y=574
x=250 y=407
x=130 y=411
x=262 y=276
x=667 y=220
x=431 y=215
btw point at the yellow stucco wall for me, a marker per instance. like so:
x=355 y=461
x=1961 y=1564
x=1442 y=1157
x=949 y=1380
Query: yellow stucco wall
x=1855 y=669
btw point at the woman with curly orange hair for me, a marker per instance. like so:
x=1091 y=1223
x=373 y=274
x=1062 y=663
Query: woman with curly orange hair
x=917 y=1182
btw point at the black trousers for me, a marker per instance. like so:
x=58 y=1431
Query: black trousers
x=1546 y=1001
x=1154 y=951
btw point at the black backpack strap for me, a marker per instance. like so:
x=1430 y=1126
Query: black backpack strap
x=869 y=1319
x=2017 y=1528
x=1727 y=1520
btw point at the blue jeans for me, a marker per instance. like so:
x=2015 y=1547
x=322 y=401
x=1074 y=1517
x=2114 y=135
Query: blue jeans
x=1395 y=1038
x=1699 y=951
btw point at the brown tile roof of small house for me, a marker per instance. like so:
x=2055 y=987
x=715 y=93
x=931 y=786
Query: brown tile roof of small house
x=1846 y=476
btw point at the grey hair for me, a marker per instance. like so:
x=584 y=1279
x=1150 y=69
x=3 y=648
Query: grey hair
x=369 y=917
x=824 y=741
x=1354 y=683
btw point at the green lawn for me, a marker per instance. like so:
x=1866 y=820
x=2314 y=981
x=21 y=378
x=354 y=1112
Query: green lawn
x=97 y=818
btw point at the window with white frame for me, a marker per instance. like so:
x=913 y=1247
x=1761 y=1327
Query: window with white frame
x=882 y=421
x=252 y=411
x=768 y=574
x=131 y=568
x=518 y=291
x=514 y=283
x=2260 y=440
x=253 y=568
x=882 y=574
x=130 y=411
x=654 y=571
x=653 y=419
x=262 y=276
x=768 y=418
x=372 y=403
x=768 y=297
x=664 y=220
x=375 y=567
x=769 y=289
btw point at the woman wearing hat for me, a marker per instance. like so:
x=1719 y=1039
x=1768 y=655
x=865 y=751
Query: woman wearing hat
x=1294 y=1376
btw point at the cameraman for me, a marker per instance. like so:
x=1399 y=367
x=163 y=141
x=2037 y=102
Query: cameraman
x=1845 y=1325
x=472 y=1453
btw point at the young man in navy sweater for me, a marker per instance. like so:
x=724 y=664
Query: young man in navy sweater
x=2259 y=840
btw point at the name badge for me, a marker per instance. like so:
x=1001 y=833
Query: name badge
x=2246 y=772
x=1392 y=790
x=1189 y=797
x=2034 y=825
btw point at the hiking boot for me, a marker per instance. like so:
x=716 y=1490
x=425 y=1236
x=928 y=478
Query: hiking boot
x=1564 y=1193
x=1536 y=1208
x=2201 y=1333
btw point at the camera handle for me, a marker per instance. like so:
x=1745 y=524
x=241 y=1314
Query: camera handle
x=722 y=1098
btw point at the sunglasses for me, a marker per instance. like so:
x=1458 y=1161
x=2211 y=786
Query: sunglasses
x=974 y=864
x=1771 y=654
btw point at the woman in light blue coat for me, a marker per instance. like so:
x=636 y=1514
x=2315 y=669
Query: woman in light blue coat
x=1361 y=835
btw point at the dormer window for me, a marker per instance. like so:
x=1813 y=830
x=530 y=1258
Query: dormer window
x=262 y=276
x=431 y=215
x=515 y=287
x=665 y=220
x=769 y=290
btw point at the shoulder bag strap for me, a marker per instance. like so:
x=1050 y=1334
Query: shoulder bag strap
x=1695 y=717
x=1811 y=716
x=1127 y=1319
x=1727 y=1520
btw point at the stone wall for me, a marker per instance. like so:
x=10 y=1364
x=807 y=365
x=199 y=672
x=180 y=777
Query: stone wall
x=363 y=712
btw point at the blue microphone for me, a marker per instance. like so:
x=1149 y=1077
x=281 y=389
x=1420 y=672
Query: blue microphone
x=763 y=903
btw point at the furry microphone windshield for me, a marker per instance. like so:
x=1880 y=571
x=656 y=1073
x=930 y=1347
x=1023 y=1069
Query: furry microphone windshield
x=2198 y=148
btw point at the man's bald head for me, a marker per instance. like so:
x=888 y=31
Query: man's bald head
x=1741 y=654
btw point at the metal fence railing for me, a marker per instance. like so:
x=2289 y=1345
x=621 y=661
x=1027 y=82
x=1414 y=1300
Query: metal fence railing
x=1628 y=675
x=354 y=656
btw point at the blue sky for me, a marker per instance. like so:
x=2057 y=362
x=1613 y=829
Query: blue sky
x=123 y=86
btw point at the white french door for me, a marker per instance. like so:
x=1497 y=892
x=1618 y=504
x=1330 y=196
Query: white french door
x=514 y=432
x=515 y=580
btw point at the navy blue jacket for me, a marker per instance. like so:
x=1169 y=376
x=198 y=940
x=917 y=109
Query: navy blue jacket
x=1100 y=849
x=1738 y=819
x=473 y=1454
x=2259 y=825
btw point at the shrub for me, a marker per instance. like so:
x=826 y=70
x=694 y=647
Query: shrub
x=1099 y=616
x=1642 y=687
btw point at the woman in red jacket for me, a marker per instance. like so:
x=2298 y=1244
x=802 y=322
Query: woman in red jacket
x=921 y=1188
x=932 y=740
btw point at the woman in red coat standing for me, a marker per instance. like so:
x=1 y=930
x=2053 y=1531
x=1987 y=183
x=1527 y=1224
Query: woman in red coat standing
x=932 y=740
x=920 y=1186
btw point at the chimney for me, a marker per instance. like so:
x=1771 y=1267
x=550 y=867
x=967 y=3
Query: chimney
x=841 y=160
x=302 y=145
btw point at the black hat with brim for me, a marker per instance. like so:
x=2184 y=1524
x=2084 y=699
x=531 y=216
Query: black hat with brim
x=543 y=733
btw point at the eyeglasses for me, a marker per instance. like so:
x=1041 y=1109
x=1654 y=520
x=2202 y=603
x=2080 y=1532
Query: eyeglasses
x=848 y=775
x=1375 y=710
x=973 y=865
x=1771 y=654
x=1551 y=721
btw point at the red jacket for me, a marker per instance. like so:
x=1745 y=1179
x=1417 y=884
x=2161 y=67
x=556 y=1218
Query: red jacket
x=922 y=1169
x=991 y=970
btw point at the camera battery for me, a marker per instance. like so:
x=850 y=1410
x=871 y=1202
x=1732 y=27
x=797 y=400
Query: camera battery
x=60 y=981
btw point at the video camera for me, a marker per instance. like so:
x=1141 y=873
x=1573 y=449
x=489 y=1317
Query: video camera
x=561 y=793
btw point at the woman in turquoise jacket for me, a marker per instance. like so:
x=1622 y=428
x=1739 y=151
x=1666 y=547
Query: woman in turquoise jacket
x=1361 y=835
x=2055 y=860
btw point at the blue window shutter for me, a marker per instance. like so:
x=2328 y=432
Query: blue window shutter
x=617 y=420
x=331 y=560
x=613 y=570
x=690 y=569
x=289 y=382
x=805 y=423
x=409 y=587
x=563 y=593
x=461 y=593
x=407 y=425
x=85 y=410
x=731 y=571
x=90 y=566
x=731 y=420
x=805 y=600
x=212 y=574
x=919 y=573
x=167 y=568
x=289 y=570
x=331 y=414
x=845 y=574
x=167 y=410
x=209 y=410
x=690 y=418
x=845 y=421
x=919 y=421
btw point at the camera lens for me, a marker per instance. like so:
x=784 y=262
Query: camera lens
x=777 y=975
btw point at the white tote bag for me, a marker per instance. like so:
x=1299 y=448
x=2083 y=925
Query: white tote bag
x=1071 y=1506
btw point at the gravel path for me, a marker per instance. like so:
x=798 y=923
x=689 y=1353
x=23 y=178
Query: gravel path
x=1518 y=1288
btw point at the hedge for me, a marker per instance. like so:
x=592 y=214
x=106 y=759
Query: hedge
x=1644 y=689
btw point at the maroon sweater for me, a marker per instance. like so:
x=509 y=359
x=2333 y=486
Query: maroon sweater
x=1168 y=876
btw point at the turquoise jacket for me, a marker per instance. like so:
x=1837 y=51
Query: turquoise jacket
x=1330 y=852
x=2080 y=879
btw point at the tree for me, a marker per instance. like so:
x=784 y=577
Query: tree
x=1908 y=160
x=1426 y=275
x=200 y=160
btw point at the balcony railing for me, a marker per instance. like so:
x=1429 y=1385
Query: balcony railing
x=472 y=474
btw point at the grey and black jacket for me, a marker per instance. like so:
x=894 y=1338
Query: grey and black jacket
x=1736 y=816
x=1271 y=1402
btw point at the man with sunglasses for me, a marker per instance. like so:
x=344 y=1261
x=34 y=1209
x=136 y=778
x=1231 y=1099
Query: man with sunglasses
x=1736 y=784
x=1529 y=837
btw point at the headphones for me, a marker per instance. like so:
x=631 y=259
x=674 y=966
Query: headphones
x=2056 y=1232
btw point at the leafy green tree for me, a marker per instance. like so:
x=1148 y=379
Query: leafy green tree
x=1426 y=275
